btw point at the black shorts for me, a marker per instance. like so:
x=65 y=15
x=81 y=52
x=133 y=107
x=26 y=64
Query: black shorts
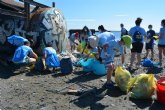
x=161 y=45
x=149 y=46
x=137 y=47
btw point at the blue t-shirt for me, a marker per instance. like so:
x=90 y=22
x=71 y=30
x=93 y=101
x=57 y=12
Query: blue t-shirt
x=150 y=35
x=21 y=54
x=162 y=39
x=123 y=31
x=113 y=48
x=137 y=28
x=51 y=57
x=105 y=37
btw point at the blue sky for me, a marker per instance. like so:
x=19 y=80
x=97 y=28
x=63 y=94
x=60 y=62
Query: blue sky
x=110 y=13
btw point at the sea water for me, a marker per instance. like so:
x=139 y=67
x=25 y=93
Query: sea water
x=116 y=33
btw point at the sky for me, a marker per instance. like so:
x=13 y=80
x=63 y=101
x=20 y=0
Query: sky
x=110 y=13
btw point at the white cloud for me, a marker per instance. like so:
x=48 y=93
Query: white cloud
x=81 y=20
x=121 y=15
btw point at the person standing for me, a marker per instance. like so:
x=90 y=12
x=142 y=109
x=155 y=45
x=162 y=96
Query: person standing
x=123 y=30
x=138 y=33
x=72 y=39
x=104 y=36
x=150 y=42
x=161 y=43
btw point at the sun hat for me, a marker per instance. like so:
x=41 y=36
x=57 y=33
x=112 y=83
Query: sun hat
x=128 y=41
x=93 y=41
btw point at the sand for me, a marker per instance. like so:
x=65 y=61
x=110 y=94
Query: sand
x=45 y=91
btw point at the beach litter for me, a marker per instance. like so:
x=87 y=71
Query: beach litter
x=122 y=78
x=142 y=86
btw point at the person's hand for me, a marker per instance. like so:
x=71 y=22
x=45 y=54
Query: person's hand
x=123 y=66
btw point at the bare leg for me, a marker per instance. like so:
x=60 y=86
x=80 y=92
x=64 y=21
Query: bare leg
x=160 y=54
x=32 y=60
x=139 y=57
x=110 y=71
x=132 y=58
x=152 y=53
x=163 y=51
x=147 y=52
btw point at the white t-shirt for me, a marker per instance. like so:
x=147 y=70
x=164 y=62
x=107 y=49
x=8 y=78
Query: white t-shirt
x=105 y=37
x=113 y=48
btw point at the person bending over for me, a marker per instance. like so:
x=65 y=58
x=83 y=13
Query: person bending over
x=24 y=54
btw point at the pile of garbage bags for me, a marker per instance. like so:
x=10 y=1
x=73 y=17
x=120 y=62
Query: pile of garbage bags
x=93 y=65
x=141 y=86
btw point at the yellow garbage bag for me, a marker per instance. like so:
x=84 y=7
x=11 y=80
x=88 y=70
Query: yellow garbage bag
x=142 y=86
x=157 y=38
x=80 y=48
x=122 y=77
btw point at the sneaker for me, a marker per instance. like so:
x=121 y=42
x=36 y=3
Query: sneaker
x=108 y=85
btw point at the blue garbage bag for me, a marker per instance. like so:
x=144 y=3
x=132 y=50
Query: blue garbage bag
x=98 y=68
x=87 y=64
x=16 y=40
x=147 y=63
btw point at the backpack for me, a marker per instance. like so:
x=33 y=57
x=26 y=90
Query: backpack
x=126 y=32
x=66 y=65
x=137 y=37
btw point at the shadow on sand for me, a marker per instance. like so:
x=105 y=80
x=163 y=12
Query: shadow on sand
x=150 y=104
x=83 y=77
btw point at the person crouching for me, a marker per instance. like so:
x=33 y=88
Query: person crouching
x=24 y=54
x=50 y=59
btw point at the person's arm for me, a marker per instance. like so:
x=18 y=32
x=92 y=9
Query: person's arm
x=43 y=60
x=161 y=35
x=34 y=55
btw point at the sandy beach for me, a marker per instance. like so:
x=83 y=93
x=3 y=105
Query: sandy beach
x=44 y=91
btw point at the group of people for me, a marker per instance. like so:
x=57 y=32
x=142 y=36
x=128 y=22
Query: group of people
x=25 y=55
x=147 y=37
x=106 y=45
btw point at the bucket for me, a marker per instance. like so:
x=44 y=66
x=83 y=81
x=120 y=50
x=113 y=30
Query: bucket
x=161 y=91
x=66 y=65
